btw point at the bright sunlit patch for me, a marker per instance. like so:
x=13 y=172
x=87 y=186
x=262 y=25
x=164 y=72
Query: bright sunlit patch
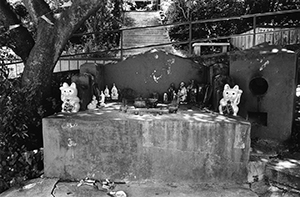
x=84 y=114
x=274 y=50
x=187 y=116
x=294 y=161
x=284 y=164
x=221 y=117
x=117 y=119
x=29 y=186
x=201 y=115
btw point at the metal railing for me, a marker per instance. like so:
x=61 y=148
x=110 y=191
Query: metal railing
x=190 y=41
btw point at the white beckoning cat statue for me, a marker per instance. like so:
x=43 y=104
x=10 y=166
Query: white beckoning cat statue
x=231 y=99
x=69 y=98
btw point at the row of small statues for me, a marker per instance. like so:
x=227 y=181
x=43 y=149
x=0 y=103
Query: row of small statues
x=105 y=95
x=71 y=101
x=228 y=104
x=184 y=93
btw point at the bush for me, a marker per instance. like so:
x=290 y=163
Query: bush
x=20 y=133
x=21 y=153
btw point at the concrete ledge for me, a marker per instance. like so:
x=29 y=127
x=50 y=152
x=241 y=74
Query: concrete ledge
x=187 y=146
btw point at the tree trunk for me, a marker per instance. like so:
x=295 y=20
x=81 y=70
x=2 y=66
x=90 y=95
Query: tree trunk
x=18 y=38
x=50 y=42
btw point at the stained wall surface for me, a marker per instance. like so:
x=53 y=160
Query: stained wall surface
x=187 y=146
x=271 y=111
x=153 y=71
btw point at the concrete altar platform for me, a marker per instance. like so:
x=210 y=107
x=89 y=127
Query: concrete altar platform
x=190 y=146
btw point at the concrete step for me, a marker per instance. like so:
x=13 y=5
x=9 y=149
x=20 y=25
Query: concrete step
x=145 y=32
x=144 y=37
x=143 y=43
x=284 y=172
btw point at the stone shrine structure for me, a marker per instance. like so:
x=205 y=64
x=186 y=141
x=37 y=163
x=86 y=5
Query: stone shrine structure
x=188 y=146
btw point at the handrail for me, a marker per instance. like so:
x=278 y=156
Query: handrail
x=190 y=40
x=193 y=22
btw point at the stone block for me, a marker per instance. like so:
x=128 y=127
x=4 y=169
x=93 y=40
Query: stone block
x=284 y=172
x=187 y=146
x=96 y=70
x=85 y=89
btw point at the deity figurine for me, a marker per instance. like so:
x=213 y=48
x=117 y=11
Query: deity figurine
x=106 y=93
x=114 y=93
x=102 y=99
x=230 y=100
x=171 y=92
x=192 y=91
x=165 y=98
x=182 y=93
x=93 y=103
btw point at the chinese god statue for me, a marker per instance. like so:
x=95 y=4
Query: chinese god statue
x=182 y=92
x=114 y=93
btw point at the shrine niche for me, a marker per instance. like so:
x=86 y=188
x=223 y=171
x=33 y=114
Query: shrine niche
x=153 y=71
x=267 y=76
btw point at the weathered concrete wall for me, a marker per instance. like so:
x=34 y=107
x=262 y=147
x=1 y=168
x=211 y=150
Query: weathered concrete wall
x=271 y=113
x=187 y=146
x=153 y=71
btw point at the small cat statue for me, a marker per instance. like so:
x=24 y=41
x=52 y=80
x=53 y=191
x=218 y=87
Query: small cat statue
x=231 y=99
x=69 y=98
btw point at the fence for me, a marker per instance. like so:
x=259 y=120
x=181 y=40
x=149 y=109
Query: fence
x=276 y=36
x=246 y=40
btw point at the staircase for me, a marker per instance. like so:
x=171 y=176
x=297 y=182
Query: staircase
x=147 y=36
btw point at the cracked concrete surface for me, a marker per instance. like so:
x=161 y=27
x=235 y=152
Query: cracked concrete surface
x=41 y=187
x=54 y=188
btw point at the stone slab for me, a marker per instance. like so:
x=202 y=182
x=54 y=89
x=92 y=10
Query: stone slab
x=150 y=189
x=190 y=146
x=133 y=189
x=33 y=188
x=284 y=172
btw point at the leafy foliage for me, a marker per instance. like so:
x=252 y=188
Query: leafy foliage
x=191 y=10
x=106 y=21
x=21 y=155
x=19 y=132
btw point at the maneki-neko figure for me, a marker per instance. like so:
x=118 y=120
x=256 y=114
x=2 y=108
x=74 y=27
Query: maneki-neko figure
x=231 y=99
x=69 y=98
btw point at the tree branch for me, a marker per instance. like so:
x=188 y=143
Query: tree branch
x=18 y=38
x=73 y=17
x=38 y=9
x=80 y=10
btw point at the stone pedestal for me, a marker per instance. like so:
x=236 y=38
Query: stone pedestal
x=187 y=146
